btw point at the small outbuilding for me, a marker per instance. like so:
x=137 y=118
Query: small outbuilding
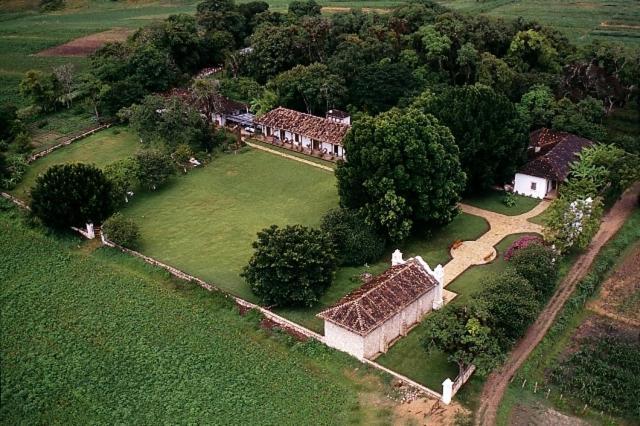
x=369 y=320
x=550 y=155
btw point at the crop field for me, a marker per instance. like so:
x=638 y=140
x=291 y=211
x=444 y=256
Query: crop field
x=580 y=21
x=100 y=149
x=23 y=34
x=93 y=336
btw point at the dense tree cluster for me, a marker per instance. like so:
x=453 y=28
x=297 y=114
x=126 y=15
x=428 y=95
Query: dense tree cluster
x=482 y=332
x=291 y=266
x=403 y=171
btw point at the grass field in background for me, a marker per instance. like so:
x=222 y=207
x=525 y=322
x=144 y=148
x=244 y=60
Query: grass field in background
x=581 y=22
x=100 y=337
x=100 y=149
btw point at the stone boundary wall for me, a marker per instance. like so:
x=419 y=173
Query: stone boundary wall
x=282 y=322
x=69 y=141
x=15 y=201
x=462 y=379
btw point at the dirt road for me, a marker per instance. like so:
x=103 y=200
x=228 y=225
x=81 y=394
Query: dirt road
x=498 y=381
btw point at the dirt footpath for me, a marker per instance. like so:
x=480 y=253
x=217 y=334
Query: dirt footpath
x=498 y=381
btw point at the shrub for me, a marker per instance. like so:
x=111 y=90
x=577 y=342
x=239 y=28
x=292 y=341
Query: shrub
x=519 y=244
x=72 y=195
x=536 y=263
x=291 y=266
x=153 y=167
x=356 y=242
x=12 y=169
x=509 y=199
x=511 y=304
x=122 y=230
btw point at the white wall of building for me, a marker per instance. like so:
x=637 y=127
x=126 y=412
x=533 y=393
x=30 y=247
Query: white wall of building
x=303 y=141
x=343 y=339
x=378 y=339
x=524 y=185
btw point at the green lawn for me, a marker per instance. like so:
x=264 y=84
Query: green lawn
x=492 y=201
x=434 y=249
x=100 y=149
x=580 y=21
x=100 y=337
x=408 y=356
x=205 y=222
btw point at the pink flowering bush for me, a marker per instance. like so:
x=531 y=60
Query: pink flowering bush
x=521 y=243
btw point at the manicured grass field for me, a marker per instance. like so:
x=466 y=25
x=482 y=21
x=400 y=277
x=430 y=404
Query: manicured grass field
x=205 y=222
x=492 y=201
x=434 y=249
x=581 y=22
x=99 y=337
x=100 y=149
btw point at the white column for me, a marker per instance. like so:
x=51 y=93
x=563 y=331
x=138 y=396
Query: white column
x=447 y=391
x=438 y=273
x=90 y=233
x=396 y=258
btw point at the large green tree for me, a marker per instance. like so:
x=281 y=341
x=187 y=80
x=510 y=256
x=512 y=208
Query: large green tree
x=511 y=303
x=153 y=167
x=72 y=195
x=403 y=170
x=291 y=266
x=312 y=89
x=487 y=129
x=463 y=333
x=537 y=264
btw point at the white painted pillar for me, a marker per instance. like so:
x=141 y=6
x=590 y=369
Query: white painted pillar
x=447 y=391
x=438 y=301
x=90 y=232
x=396 y=258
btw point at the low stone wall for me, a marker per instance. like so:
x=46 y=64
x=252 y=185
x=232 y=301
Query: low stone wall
x=69 y=141
x=15 y=201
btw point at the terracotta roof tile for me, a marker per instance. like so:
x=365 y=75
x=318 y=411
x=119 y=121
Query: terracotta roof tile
x=378 y=300
x=317 y=128
x=557 y=151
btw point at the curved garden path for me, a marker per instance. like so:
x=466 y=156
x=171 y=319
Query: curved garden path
x=497 y=382
x=481 y=251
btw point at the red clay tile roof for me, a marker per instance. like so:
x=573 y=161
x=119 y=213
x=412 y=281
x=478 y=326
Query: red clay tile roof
x=317 y=128
x=558 y=151
x=377 y=301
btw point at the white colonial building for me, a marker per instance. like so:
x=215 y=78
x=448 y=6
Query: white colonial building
x=368 y=320
x=305 y=130
x=551 y=154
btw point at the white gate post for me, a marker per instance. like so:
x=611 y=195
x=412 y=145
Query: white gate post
x=447 y=391
x=90 y=232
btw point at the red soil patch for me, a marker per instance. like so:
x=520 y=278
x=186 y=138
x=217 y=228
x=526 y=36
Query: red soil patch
x=85 y=46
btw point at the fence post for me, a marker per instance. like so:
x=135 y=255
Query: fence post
x=447 y=391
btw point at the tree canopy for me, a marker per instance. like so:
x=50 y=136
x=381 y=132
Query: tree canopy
x=72 y=195
x=291 y=266
x=488 y=131
x=403 y=170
